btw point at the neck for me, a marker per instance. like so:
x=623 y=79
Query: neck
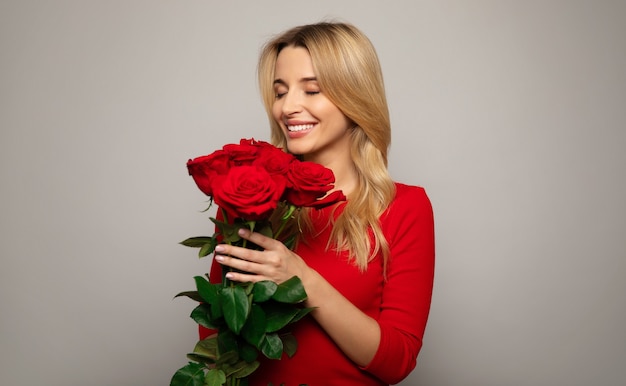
x=346 y=178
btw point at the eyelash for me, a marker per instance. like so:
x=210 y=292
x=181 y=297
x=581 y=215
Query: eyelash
x=280 y=95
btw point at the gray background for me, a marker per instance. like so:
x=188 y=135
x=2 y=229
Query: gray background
x=510 y=113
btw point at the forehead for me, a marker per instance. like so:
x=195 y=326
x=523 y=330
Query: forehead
x=294 y=62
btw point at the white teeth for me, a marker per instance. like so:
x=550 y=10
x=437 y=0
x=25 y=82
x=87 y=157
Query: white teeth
x=299 y=127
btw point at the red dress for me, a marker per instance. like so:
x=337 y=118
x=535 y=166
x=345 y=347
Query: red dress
x=400 y=304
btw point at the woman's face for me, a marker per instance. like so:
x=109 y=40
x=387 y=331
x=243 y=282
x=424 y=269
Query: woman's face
x=313 y=126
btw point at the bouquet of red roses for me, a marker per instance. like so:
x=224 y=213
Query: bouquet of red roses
x=260 y=187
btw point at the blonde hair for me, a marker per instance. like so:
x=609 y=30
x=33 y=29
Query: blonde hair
x=349 y=75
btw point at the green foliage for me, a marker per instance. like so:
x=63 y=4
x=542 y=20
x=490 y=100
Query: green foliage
x=254 y=329
x=250 y=319
x=229 y=232
x=190 y=375
x=236 y=307
x=215 y=377
x=194 y=295
x=290 y=344
x=202 y=315
x=278 y=316
x=206 y=290
x=263 y=290
x=290 y=291
x=206 y=244
x=272 y=346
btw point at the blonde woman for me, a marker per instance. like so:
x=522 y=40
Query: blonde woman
x=367 y=264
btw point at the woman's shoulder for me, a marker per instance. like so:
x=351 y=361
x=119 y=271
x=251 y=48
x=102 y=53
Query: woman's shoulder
x=411 y=206
x=409 y=193
x=409 y=201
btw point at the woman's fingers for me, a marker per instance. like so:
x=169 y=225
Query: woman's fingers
x=241 y=253
x=267 y=244
x=247 y=271
x=239 y=263
x=244 y=278
x=257 y=238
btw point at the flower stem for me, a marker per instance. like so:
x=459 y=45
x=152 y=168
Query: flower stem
x=284 y=219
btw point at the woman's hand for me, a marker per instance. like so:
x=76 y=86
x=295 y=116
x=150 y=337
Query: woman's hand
x=275 y=262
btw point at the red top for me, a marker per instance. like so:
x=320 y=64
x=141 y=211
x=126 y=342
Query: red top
x=400 y=304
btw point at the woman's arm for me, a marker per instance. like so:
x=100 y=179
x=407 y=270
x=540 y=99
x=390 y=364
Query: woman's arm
x=409 y=229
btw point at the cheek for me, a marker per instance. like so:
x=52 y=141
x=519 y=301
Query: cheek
x=325 y=108
x=337 y=116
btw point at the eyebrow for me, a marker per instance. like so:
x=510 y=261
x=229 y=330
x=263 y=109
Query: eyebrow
x=303 y=80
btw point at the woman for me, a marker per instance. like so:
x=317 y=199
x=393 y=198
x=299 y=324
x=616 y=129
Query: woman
x=366 y=264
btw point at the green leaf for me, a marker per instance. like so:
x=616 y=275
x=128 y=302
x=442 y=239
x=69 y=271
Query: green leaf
x=196 y=242
x=214 y=377
x=302 y=312
x=230 y=369
x=290 y=291
x=248 y=287
x=216 y=310
x=207 y=347
x=248 y=369
x=263 y=290
x=230 y=358
x=190 y=375
x=236 y=307
x=200 y=358
x=202 y=315
x=254 y=329
x=290 y=344
x=227 y=341
x=207 y=248
x=266 y=230
x=278 y=315
x=272 y=346
x=229 y=231
x=248 y=352
x=206 y=290
x=194 y=295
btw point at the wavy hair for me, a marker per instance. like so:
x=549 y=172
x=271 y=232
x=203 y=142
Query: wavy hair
x=349 y=75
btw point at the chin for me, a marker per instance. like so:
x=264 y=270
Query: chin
x=296 y=150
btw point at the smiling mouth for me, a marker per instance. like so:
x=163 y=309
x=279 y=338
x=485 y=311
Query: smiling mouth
x=299 y=127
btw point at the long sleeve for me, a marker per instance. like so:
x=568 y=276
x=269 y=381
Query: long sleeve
x=407 y=292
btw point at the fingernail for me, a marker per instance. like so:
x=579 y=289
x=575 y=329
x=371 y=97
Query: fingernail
x=219 y=258
x=242 y=232
x=229 y=275
x=219 y=248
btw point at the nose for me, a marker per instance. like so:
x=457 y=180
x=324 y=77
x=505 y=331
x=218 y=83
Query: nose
x=292 y=103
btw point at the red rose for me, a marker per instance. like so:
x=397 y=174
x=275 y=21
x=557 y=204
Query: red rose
x=243 y=153
x=308 y=182
x=331 y=198
x=274 y=160
x=254 y=142
x=206 y=169
x=248 y=192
